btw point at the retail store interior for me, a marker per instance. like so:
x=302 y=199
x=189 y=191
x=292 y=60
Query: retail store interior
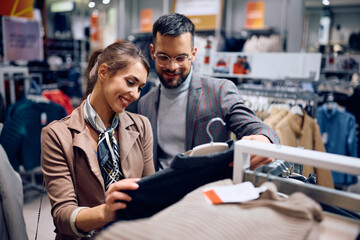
x=284 y=56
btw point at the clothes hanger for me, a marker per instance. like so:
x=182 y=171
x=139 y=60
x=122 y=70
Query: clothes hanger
x=211 y=147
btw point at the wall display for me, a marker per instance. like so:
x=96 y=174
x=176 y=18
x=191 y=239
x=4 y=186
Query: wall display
x=261 y=65
x=21 y=39
x=255 y=14
x=146 y=20
x=23 y=8
x=342 y=63
x=205 y=14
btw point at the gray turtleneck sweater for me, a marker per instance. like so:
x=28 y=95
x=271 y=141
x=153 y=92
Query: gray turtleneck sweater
x=171 y=121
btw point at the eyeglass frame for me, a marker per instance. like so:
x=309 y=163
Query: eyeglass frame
x=169 y=59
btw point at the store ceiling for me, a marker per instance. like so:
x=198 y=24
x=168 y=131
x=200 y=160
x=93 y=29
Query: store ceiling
x=333 y=3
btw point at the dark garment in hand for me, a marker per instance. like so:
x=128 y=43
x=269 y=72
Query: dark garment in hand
x=186 y=173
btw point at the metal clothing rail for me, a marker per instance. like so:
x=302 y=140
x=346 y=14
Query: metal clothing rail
x=9 y=73
x=347 y=200
x=279 y=93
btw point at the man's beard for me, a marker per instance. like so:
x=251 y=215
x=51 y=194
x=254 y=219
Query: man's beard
x=164 y=82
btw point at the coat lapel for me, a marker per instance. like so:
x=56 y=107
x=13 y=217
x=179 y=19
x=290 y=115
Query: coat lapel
x=192 y=107
x=81 y=141
x=127 y=138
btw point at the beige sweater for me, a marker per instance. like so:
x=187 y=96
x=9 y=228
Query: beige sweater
x=308 y=136
x=270 y=217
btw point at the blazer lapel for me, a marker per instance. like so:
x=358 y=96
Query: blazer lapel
x=192 y=108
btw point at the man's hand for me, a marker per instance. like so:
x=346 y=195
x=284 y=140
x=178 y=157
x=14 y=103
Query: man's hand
x=255 y=160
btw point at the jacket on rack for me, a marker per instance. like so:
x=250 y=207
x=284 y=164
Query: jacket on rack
x=338 y=129
x=208 y=98
x=275 y=117
x=306 y=135
x=20 y=135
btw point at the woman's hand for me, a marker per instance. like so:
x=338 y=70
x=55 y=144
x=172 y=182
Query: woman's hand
x=96 y=217
x=115 y=198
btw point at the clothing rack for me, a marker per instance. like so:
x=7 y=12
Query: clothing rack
x=281 y=93
x=12 y=73
x=342 y=199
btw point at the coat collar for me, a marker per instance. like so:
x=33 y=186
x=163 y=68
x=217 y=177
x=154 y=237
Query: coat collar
x=127 y=138
x=298 y=130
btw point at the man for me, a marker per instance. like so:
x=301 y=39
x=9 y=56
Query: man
x=238 y=66
x=246 y=65
x=181 y=107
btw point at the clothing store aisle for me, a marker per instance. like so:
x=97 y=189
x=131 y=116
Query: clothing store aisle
x=31 y=211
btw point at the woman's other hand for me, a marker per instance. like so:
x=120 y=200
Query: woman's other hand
x=115 y=198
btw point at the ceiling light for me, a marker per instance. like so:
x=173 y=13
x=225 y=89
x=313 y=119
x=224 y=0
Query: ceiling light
x=91 y=4
x=106 y=1
x=326 y=2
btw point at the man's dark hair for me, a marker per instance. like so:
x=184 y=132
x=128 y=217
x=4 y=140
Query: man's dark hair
x=173 y=24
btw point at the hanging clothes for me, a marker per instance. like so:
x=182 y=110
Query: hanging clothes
x=275 y=117
x=59 y=97
x=20 y=135
x=297 y=131
x=338 y=131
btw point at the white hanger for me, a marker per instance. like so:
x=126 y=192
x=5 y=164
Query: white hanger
x=211 y=147
x=296 y=109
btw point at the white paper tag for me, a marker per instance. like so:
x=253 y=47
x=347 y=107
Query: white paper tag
x=43 y=118
x=324 y=137
x=241 y=192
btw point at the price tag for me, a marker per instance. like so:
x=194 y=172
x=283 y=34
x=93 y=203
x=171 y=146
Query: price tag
x=232 y=194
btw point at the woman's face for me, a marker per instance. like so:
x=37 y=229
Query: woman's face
x=124 y=87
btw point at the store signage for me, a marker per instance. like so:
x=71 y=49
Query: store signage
x=255 y=12
x=21 y=39
x=146 y=20
x=63 y=6
x=261 y=65
x=18 y=8
x=205 y=14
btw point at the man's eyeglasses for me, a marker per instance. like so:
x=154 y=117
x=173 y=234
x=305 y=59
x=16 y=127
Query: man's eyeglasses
x=163 y=60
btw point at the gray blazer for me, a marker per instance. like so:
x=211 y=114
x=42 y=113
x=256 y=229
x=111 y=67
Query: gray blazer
x=12 y=222
x=208 y=98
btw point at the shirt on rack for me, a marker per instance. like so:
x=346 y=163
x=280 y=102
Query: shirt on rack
x=306 y=135
x=338 y=131
x=20 y=135
x=59 y=97
x=269 y=217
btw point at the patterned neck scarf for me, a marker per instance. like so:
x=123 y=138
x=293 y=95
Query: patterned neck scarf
x=108 y=152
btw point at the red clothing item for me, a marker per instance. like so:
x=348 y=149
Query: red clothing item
x=59 y=97
x=239 y=68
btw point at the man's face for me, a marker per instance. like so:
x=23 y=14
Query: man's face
x=172 y=74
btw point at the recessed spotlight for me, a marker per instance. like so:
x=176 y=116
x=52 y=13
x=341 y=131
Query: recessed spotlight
x=106 y=1
x=326 y=2
x=91 y=4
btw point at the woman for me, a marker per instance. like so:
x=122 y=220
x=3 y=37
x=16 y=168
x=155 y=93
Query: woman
x=97 y=151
